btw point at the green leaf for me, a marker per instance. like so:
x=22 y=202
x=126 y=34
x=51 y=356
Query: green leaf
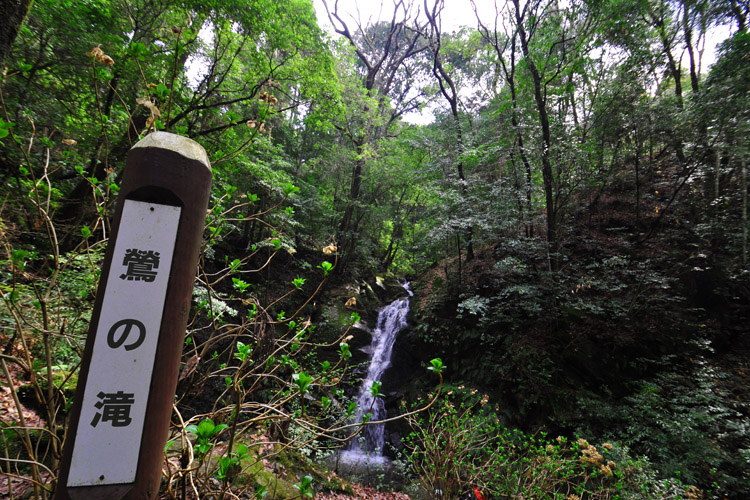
x=344 y=351
x=138 y=50
x=436 y=365
x=4 y=128
x=375 y=389
x=326 y=267
x=240 y=285
x=305 y=487
x=206 y=428
x=162 y=91
x=303 y=381
x=103 y=74
x=290 y=189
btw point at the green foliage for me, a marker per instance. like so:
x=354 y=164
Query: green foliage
x=436 y=365
x=684 y=421
x=229 y=463
x=306 y=148
x=243 y=351
x=205 y=432
x=303 y=381
x=375 y=389
x=305 y=487
x=326 y=267
x=5 y=128
x=354 y=318
x=240 y=285
x=459 y=443
x=344 y=351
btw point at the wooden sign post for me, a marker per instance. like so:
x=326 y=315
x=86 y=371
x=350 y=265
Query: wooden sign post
x=123 y=403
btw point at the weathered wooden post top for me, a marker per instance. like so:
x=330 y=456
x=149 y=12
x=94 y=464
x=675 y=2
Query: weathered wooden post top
x=120 y=418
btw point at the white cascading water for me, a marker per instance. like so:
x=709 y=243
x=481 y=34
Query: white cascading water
x=368 y=445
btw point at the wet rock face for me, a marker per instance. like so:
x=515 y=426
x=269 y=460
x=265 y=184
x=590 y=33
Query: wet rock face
x=399 y=383
x=374 y=296
x=370 y=296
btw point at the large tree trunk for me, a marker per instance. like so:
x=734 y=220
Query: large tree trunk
x=12 y=12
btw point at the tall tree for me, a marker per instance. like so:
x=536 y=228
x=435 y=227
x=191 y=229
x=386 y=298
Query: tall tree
x=449 y=91
x=501 y=44
x=384 y=51
x=550 y=38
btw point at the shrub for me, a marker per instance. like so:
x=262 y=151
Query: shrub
x=459 y=444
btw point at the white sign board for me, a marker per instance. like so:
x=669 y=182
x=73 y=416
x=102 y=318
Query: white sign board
x=114 y=402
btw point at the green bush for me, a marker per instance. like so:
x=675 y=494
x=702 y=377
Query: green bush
x=459 y=443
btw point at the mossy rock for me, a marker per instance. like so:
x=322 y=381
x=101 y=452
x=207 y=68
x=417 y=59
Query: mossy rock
x=255 y=473
x=278 y=489
x=62 y=379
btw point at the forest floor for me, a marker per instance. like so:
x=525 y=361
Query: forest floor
x=363 y=493
x=19 y=486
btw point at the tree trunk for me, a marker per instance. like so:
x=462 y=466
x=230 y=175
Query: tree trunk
x=449 y=91
x=13 y=13
x=717 y=174
x=460 y=169
x=637 y=179
x=547 y=176
x=744 y=209
x=739 y=15
x=510 y=79
x=688 y=32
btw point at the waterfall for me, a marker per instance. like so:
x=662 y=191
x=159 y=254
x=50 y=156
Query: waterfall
x=368 y=445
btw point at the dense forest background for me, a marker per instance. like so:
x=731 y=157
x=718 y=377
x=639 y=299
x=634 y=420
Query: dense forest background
x=574 y=222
